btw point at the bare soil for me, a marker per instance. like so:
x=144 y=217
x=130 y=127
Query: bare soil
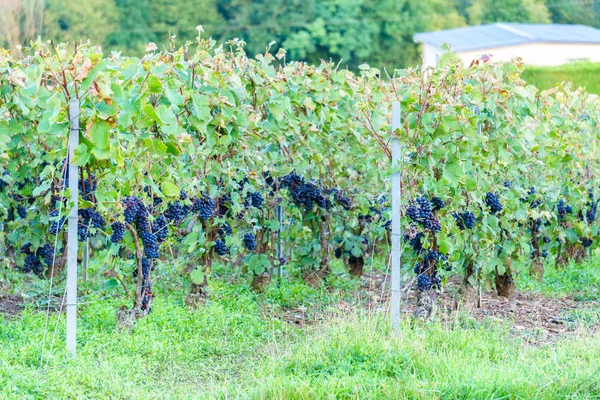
x=11 y=305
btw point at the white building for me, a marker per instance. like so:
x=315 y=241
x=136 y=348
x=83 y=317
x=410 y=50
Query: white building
x=536 y=44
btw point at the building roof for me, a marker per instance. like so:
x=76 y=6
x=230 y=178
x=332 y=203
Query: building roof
x=508 y=34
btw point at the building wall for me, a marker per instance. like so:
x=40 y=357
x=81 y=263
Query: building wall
x=431 y=55
x=542 y=54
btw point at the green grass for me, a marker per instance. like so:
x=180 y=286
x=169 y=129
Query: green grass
x=583 y=74
x=232 y=348
x=581 y=281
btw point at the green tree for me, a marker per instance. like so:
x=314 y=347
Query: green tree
x=489 y=11
x=66 y=20
x=575 y=12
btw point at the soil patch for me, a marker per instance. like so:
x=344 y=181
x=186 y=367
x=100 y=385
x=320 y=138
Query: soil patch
x=536 y=318
x=11 y=305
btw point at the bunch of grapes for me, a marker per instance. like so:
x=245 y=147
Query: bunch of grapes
x=221 y=248
x=256 y=199
x=493 y=202
x=118 y=232
x=424 y=283
x=150 y=242
x=562 y=211
x=507 y=184
x=132 y=206
x=464 y=220
x=175 y=212
x=344 y=201
x=96 y=217
x=535 y=203
x=83 y=224
x=592 y=212
x=87 y=187
x=56 y=225
x=47 y=254
x=438 y=203
x=22 y=212
x=204 y=206
x=160 y=228
x=33 y=264
x=307 y=195
x=249 y=241
x=225 y=229
x=422 y=213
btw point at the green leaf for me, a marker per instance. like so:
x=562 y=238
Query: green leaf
x=99 y=134
x=82 y=155
x=197 y=276
x=169 y=189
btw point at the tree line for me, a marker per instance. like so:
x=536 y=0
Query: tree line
x=379 y=33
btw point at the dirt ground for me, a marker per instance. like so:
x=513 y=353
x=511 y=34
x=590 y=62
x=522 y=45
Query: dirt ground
x=534 y=317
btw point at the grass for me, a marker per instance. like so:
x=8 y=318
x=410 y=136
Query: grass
x=232 y=348
x=584 y=74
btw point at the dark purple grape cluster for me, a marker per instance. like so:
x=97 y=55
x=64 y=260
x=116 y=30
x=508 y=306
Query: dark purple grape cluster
x=562 y=211
x=225 y=229
x=592 y=212
x=249 y=241
x=160 y=227
x=132 y=206
x=256 y=199
x=204 y=206
x=344 y=201
x=417 y=242
x=437 y=203
x=47 y=254
x=96 y=217
x=464 y=220
x=338 y=252
x=183 y=195
x=535 y=203
x=544 y=253
x=57 y=224
x=432 y=223
x=422 y=213
x=33 y=264
x=26 y=248
x=586 y=242
x=569 y=209
x=493 y=202
x=22 y=212
x=118 y=232
x=83 y=224
x=175 y=213
x=150 y=242
x=507 y=184
x=591 y=194
x=424 y=283
x=221 y=248
x=87 y=187
x=307 y=195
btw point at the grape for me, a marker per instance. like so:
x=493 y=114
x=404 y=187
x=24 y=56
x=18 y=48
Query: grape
x=97 y=220
x=47 y=253
x=569 y=209
x=33 y=264
x=22 y=212
x=416 y=243
x=160 y=228
x=414 y=213
x=464 y=220
x=424 y=206
x=204 y=207
x=338 y=252
x=562 y=211
x=225 y=229
x=175 y=212
x=591 y=213
x=423 y=283
x=118 y=232
x=249 y=241
x=544 y=253
x=535 y=203
x=591 y=194
x=587 y=242
x=26 y=248
x=149 y=241
x=182 y=195
x=3 y=183
x=432 y=223
x=132 y=206
x=221 y=248
x=418 y=269
x=344 y=201
x=282 y=260
x=493 y=202
x=438 y=203
x=256 y=199
x=507 y=184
